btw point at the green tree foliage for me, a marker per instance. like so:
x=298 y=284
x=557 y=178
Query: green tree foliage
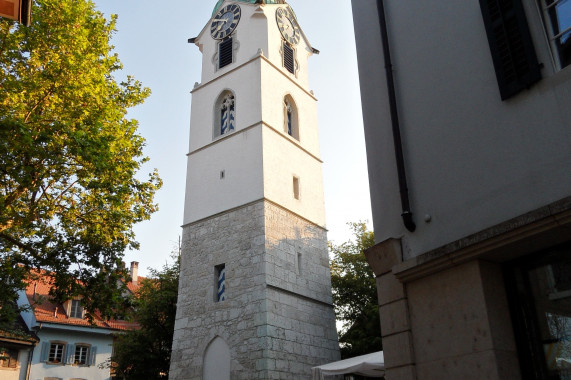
x=69 y=156
x=355 y=294
x=145 y=353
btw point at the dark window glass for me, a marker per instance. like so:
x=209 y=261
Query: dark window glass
x=560 y=19
x=225 y=53
x=289 y=119
x=539 y=289
x=76 y=309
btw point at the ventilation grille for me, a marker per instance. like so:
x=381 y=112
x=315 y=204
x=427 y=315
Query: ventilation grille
x=289 y=62
x=225 y=53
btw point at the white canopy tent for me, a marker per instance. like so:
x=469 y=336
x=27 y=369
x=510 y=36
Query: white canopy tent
x=370 y=365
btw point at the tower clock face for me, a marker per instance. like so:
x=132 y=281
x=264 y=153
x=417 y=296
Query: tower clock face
x=225 y=21
x=288 y=26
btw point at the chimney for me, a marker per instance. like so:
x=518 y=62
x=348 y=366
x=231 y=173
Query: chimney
x=134 y=272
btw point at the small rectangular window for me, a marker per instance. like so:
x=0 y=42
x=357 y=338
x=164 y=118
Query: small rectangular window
x=289 y=60
x=56 y=353
x=296 y=187
x=8 y=358
x=81 y=355
x=76 y=309
x=220 y=286
x=225 y=53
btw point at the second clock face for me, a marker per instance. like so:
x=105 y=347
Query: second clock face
x=225 y=21
x=288 y=26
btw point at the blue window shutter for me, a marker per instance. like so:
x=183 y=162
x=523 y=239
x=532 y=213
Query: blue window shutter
x=45 y=352
x=93 y=355
x=70 y=354
x=511 y=46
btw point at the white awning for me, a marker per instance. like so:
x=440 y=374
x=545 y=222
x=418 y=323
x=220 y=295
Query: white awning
x=370 y=365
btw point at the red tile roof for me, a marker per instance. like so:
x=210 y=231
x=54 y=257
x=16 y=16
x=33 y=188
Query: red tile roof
x=47 y=311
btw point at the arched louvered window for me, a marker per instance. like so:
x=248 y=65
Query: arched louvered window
x=224 y=114
x=291 y=125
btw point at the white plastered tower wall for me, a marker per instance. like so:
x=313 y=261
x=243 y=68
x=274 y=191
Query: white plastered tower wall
x=241 y=211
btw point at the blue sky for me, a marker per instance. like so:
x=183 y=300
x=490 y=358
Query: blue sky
x=152 y=44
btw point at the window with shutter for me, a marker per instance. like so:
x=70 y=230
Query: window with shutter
x=56 y=353
x=81 y=355
x=225 y=53
x=512 y=49
x=93 y=356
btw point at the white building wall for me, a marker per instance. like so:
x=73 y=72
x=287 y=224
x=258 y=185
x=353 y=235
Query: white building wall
x=39 y=370
x=472 y=160
x=243 y=84
x=279 y=174
x=276 y=84
x=239 y=155
x=250 y=173
x=18 y=373
x=250 y=40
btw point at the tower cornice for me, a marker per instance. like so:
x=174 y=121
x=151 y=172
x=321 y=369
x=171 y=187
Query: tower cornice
x=200 y=86
x=263 y=124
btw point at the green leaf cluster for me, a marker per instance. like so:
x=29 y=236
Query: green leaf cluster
x=69 y=156
x=355 y=294
x=145 y=353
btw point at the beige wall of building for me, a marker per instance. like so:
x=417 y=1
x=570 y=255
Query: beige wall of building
x=489 y=185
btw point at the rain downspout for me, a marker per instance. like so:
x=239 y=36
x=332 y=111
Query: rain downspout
x=405 y=203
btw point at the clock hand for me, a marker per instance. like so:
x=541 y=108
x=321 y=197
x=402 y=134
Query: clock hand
x=220 y=20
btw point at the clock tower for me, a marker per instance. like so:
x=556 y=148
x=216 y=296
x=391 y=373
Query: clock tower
x=255 y=289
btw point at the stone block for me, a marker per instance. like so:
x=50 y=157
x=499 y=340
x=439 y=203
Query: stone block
x=394 y=318
x=398 y=350
x=448 y=314
x=383 y=256
x=473 y=366
x=389 y=289
x=401 y=373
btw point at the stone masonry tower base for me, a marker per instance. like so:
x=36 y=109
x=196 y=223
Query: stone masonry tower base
x=277 y=320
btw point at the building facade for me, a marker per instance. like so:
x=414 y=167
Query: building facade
x=255 y=292
x=16 y=345
x=67 y=345
x=467 y=114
